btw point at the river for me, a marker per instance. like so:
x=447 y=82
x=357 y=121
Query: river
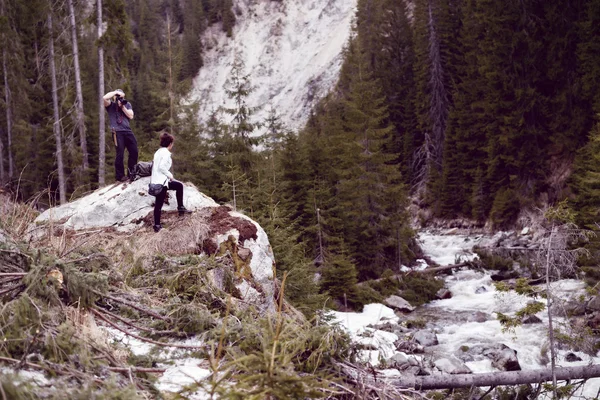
x=473 y=295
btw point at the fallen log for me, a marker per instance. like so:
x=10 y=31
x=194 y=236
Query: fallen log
x=508 y=378
x=422 y=271
x=444 y=268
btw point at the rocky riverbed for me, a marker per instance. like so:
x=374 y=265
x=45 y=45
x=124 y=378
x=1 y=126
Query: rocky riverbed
x=461 y=333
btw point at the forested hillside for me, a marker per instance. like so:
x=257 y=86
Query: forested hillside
x=470 y=108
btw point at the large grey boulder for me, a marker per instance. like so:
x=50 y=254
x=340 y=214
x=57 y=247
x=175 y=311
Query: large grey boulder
x=451 y=365
x=398 y=303
x=123 y=213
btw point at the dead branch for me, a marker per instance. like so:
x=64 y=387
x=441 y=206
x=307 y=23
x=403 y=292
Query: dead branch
x=91 y=257
x=5 y=291
x=20 y=274
x=16 y=252
x=54 y=368
x=143 y=339
x=18 y=278
x=137 y=369
x=141 y=328
x=132 y=305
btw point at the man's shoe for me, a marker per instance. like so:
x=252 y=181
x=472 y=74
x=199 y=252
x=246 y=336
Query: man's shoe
x=183 y=210
x=157 y=228
x=123 y=179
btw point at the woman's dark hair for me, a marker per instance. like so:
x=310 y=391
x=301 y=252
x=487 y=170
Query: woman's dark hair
x=166 y=139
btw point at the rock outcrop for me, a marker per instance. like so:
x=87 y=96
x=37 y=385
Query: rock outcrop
x=121 y=215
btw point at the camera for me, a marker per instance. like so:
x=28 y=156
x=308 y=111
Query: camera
x=121 y=99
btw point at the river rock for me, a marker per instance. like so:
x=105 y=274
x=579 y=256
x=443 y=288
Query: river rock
x=470 y=353
x=451 y=365
x=594 y=321
x=570 y=308
x=408 y=346
x=398 y=303
x=594 y=304
x=390 y=327
x=504 y=275
x=481 y=289
x=532 y=319
x=571 y=357
x=493 y=241
x=426 y=338
x=414 y=370
x=398 y=361
x=505 y=359
x=478 y=316
x=443 y=293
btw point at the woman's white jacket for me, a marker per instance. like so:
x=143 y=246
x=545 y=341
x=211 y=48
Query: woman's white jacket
x=161 y=166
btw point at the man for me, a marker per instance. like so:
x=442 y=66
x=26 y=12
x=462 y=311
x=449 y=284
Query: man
x=119 y=113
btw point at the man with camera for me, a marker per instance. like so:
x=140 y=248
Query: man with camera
x=119 y=113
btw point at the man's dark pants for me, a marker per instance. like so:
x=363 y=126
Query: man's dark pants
x=125 y=140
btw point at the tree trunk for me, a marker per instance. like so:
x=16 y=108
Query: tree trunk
x=549 y=306
x=78 y=93
x=497 y=378
x=9 y=121
x=56 y=126
x=101 y=124
x=438 y=110
x=171 y=120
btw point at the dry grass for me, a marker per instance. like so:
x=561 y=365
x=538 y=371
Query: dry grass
x=181 y=236
x=89 y=332
x=15 y=217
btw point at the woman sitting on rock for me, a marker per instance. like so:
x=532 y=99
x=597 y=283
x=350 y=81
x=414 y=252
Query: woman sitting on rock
x=162 y=176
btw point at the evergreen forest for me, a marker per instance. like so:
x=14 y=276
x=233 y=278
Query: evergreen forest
x=471 y=109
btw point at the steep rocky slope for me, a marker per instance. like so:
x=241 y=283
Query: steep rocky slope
x=292 y=51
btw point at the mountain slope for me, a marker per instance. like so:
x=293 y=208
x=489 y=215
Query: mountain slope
x=292 y=52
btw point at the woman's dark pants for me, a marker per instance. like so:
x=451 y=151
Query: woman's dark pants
x=160 y=199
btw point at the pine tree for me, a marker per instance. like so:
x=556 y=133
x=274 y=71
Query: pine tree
x=339 y=278
x=464 y=151
x=432 y=105
x=516 y=134
x=385 y=33
x=193 y=26
x=585 y=182
x=284 y=232
x=237 y=88
x=370 y=192
x=588 y=51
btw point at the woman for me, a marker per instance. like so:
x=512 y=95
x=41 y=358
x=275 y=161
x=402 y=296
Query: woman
x=161 y=175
